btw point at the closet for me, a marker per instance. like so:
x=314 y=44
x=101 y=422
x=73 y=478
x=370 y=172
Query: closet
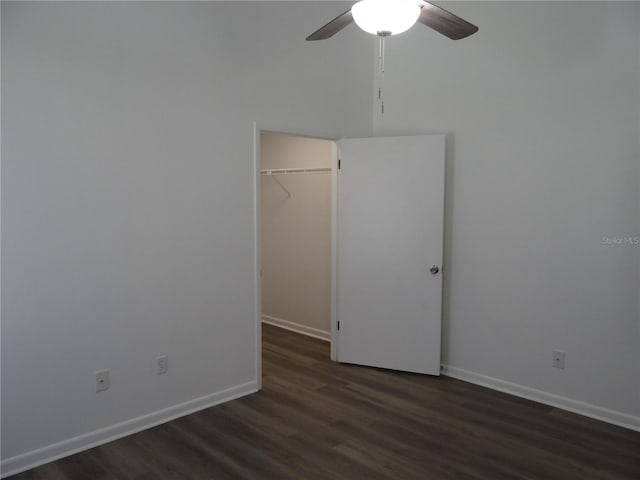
x=295 y=231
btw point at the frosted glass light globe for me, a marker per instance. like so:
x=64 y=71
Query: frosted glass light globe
x=389 y=16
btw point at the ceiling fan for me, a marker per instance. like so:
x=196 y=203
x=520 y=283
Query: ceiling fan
x=390 y=17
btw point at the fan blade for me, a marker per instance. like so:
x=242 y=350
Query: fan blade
x=445 y=22
x=333 y=27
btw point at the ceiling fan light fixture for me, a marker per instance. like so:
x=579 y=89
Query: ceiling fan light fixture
x=388 y=17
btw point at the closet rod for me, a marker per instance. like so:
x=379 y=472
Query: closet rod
x=289 y=171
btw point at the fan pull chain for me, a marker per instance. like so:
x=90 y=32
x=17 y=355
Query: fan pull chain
x=382 y=36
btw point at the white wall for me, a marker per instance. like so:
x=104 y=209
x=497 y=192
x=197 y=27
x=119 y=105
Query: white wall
x=127 y=200
x=543 y=161
x=296 y=234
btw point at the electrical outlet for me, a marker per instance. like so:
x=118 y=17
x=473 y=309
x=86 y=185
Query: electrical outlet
x=558 y=359
x=102 y=380
x=162 y=364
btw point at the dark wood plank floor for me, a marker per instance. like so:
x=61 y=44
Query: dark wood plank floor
x=318 y=420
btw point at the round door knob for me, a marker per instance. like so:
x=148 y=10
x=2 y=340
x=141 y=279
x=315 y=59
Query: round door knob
x=434 y=269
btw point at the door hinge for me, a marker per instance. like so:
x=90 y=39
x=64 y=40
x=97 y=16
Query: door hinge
x=338 y=324
x=339 y=164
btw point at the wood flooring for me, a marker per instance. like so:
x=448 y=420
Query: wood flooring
x=315 y=419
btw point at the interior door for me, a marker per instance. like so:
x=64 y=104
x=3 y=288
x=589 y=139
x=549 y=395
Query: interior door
x=389 y=247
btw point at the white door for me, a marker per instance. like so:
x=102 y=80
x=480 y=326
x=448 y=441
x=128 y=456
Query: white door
x=390 y=229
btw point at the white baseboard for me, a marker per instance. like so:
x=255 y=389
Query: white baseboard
x=575 y=406
x=296 y=327
x=34 y=458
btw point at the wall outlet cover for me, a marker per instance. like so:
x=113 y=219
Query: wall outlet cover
x=102 y=380
x=162 y=364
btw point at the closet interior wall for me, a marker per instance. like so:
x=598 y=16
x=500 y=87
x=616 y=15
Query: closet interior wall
x=295 y=226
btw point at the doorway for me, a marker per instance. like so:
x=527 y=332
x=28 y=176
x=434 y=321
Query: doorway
x=296 y=228
x=387 y=212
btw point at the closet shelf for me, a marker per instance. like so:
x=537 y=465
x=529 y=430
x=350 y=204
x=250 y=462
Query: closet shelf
x=272 y=172
x=293 y=171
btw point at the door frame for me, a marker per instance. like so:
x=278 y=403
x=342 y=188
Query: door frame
x=258 y=128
